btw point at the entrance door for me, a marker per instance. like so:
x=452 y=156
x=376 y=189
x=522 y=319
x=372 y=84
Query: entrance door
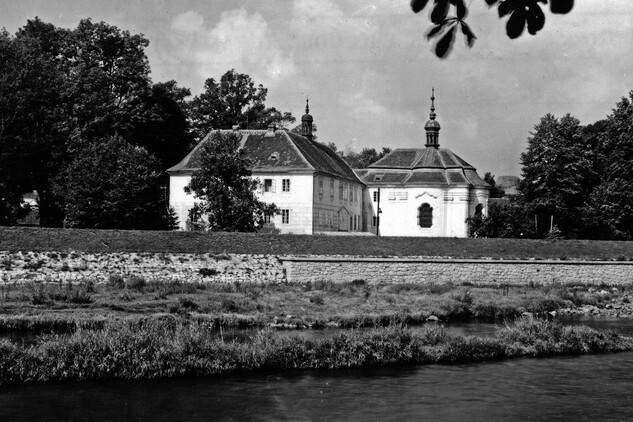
x=343 y=220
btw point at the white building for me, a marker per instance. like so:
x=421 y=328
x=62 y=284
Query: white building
x=426 y=192
x=313 y=187
x=420 y=191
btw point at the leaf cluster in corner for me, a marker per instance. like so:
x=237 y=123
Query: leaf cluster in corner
x=521 y=13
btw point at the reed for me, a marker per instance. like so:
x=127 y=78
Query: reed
x=173 y=346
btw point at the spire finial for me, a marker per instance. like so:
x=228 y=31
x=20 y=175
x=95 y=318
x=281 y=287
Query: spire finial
x=432 y=127
x=307 y=105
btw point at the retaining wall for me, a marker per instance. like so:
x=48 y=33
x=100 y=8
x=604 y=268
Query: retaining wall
x=99 y=267
x=440 y=271
x=242 y=268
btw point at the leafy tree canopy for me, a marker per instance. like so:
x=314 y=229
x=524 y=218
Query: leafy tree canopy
x=61 y=90
x=610 y=209
x=225 y=189
x=495 y=191
x=521 y=14
x=558 y=172
x=112 y=184
x=364 y=158
x=234 y=100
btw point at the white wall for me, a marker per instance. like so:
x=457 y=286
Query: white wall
x=399 y=207
x=179 y=200
x=298 y=201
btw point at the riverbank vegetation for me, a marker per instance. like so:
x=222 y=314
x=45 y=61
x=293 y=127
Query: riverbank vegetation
x=78 y=240
x=173 y=346
x=58 y=307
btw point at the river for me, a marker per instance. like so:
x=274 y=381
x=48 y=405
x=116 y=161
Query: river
x=584 y=388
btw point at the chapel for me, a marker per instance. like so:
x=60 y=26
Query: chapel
x=428 y=191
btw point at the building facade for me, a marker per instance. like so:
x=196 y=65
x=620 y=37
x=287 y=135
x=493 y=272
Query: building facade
x=313 y=187
x=410 y=192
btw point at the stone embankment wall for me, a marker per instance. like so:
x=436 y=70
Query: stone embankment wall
x=231 y=268
x=440 y=271
x=99 y=267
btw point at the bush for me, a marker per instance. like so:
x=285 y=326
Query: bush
x=116 y=281
x=135 y=282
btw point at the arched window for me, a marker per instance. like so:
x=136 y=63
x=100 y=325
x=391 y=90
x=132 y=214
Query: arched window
x=478 y=210
x=425 y=215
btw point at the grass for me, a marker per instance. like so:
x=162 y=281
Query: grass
x=171 y=347
x=58 y=240
x=353 y=304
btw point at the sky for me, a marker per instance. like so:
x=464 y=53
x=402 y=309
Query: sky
x=368 y=68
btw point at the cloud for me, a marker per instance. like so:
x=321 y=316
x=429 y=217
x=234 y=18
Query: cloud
x=239 y=41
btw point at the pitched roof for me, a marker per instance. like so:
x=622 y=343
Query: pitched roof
x=278 y=151
x=421 y=167
x=413 y=158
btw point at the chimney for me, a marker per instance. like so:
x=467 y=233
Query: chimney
x=271 y=130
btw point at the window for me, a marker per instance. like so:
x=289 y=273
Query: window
x=345 y=190
x=425 y=216
x=285 y=185
x=269 y=185
x=285 y=216
x=373 y=221
x=340 y=191
x=478 y=210
x=320 y=188
x=266 y=218
x=331 y=189
x=376 y=196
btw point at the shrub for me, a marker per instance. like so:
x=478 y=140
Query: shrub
x=188 y=303
x=80 y=296
x=116 y=281
x=135 y=282
x=39 y=296
x=317 y=299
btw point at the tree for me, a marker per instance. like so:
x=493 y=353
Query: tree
x=234 y=100
x=162 y=126
x=495 y=192
x=610 y=208
x=557 y=174
x=521 y=13
x=504 y=219
x=224 y=186
x=34 y=144
x=112 y=184
x=365 y=158
x=61 y=90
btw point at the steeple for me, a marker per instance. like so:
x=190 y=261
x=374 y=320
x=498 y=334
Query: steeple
x=432 y=127
x=306 y=122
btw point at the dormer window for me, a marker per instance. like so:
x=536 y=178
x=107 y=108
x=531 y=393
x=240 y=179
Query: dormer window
x=274 y=156
x=378 y=177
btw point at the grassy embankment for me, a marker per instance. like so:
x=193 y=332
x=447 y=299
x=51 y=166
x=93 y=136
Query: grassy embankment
x=63 y=307
x=171 y=347
x=60 y=240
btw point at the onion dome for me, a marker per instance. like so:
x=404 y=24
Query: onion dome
x=306 y=123
x=432 y=127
